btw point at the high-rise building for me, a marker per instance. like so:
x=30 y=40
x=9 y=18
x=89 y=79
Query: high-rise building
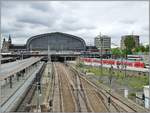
x=97 y=42
x=135 y=37
x=103 y=41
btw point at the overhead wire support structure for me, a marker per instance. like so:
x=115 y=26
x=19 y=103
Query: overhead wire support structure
x=110 y=83
x=49 y=60
x=101 y=55
x=0 y=66
x=149 y=70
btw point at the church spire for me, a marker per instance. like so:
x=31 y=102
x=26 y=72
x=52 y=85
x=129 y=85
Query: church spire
x=4 y=40
x=9 y=40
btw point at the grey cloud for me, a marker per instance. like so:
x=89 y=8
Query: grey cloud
x=7 y=27
x=6 y=4
x=145 y=27
x=37 y=19
x=75 y=26
x=33 y=20
x=7 y=30
x=85 y=19
x=19 y=25
x=128 y=21
x=40 y=6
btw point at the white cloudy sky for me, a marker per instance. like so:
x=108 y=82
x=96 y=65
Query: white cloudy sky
x=83 y=18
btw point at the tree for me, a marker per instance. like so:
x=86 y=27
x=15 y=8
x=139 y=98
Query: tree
x=124 y=53
x=142 y=48
x=129 y=44
x=137 y=49
x=116 y=51
x=147 y=48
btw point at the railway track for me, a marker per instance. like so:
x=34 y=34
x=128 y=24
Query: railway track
x=93 y=101
x=73 y=92
x=116 y=104
x=26 y=100
x=76 y=95
x=80 y=97
x=67 y=103
x=24 y=105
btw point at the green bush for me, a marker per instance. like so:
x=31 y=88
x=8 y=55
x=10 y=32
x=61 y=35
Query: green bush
x=81 y=64
x=132 y=95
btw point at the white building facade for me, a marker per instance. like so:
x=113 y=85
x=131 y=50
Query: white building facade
x=103 y=41
x=147 y=96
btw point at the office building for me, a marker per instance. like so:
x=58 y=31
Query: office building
x=135 y=37
x=103 y=42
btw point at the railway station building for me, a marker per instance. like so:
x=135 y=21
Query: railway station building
x=56 y=41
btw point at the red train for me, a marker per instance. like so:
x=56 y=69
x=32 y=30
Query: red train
x=137 y=64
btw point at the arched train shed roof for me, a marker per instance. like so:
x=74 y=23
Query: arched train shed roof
x=56 y=41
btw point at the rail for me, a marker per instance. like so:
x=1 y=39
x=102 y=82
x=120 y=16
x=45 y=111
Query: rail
x=105 y=92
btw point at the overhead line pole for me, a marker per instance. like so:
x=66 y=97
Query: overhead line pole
x=149 y=73
x=0 y=67
x=100 y=54
x=49 y=61
x=0 y=47
x=101 y=40
x=149 y=66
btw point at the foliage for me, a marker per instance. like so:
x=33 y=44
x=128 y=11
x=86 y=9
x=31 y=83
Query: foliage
x=141 y=48
x=138 y=82
x=135 y=82
x=137 y=49
x=132 y=95
x=129 y=44
x=80 y=64
x=147 y=48
x=116 y=51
